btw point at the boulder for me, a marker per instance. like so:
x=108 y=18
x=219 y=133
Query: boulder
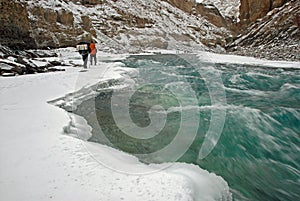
x=19 y=70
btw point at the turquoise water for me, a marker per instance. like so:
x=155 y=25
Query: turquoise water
x=258 y=150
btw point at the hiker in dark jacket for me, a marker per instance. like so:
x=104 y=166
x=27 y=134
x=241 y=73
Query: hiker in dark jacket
x=84 y=49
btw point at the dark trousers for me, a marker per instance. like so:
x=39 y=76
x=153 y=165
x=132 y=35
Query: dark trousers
x=85 y=60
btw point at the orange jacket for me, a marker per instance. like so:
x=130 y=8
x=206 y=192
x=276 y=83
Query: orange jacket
x=93 y=48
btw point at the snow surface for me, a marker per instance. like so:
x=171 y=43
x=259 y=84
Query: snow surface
x=40 y=162
x=234 y=59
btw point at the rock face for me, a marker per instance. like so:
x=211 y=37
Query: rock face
x=208 y=11
x=88 y=2
x=186 y=5
x=118 y=25
x=211 y=13
x=228 y=8
x=15 y=26
x=56 y=28
x=275 y=36
x=134 y=25
x=251 y=10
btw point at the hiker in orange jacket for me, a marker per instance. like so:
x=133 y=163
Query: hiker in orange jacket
x=93 y=53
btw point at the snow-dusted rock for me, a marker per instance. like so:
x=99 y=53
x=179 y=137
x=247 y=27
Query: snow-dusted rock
x=119 y=25
x=275 y=36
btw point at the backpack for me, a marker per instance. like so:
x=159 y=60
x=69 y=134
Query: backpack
x=82 y=47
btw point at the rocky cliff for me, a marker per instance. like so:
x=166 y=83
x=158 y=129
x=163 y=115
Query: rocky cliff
x=15 y=24
x=275 y=36
x=134 y=25
x=118 y=25
x=251 y=10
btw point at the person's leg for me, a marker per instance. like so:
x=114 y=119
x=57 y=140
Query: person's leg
x=85 y=60
x=95 y=58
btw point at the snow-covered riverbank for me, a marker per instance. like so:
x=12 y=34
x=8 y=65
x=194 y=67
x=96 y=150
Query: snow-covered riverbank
x=40 y=162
